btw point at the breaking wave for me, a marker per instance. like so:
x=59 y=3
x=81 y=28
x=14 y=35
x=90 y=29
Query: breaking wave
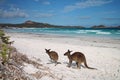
x=70 y=31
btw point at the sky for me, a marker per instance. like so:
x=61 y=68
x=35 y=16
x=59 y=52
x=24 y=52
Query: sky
x=61 y=12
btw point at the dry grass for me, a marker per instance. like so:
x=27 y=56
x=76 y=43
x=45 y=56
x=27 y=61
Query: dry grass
x=13 y=69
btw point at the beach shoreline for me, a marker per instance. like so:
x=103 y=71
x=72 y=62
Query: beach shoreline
x=86 y=40
x=102 y=54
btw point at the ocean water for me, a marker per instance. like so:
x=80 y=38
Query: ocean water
x=110 y=33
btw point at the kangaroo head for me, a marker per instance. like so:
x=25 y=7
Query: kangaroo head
x=47 y=50
x=67 y=53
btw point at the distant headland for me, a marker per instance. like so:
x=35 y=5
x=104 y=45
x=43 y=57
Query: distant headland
x=33 y=24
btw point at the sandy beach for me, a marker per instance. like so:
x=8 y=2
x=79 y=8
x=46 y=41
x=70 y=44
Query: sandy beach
x=103 y=54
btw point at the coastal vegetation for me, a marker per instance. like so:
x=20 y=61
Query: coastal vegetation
x=31 y=24
x=103 y=26
x=12 y=63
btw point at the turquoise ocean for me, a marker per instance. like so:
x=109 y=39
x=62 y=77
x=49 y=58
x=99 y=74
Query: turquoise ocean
x=108 y=33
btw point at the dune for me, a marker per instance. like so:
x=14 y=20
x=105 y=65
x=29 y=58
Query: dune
x=102 y=54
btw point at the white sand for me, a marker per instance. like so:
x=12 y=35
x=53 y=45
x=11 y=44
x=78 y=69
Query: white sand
x=103 y=54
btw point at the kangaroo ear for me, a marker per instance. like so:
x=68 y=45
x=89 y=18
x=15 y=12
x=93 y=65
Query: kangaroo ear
x=49 y=49
x=45 y=49
x=69 y=51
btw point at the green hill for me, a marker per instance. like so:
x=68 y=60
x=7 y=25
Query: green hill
x=30 y=24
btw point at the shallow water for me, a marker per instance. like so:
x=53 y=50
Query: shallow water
x=108 y=33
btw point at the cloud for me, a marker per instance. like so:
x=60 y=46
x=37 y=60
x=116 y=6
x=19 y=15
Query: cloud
x=85 y=17
x=43 y=2
x=86 y=4
x=36 y=0
x=109 y=12
x=111 y=18
x=12 y=13
x=44 y=15
x=46 y=3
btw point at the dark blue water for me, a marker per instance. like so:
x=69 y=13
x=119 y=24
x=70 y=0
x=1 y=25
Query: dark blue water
x=112 y=33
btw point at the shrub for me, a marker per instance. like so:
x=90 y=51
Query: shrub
x=1 y=33
x=5 y=39
x=4 y=53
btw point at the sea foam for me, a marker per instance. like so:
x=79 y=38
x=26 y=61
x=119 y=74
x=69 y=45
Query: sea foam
x=104 y=33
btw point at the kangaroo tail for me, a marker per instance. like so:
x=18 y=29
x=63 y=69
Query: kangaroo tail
x=58 y=62
x=85 y=63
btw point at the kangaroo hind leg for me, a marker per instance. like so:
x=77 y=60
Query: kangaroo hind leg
x=56 y=63
x=78 y=65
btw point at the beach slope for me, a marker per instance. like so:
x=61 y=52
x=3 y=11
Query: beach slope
x=99 y=54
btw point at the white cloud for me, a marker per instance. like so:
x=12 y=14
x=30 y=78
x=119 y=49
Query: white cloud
x=13 y=13
x=44 y=15
x=46 y=3
x=36 y=0
x=43 y=2
x=86 y=4
x=109 y=12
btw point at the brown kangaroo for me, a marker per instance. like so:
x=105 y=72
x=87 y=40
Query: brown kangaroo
x=78 y=57
x=53 y=56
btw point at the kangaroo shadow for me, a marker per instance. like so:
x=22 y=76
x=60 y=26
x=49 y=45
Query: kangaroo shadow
x=51 y=62
x=73 y=65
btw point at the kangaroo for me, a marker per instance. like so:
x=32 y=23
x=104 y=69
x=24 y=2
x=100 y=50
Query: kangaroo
x=78 y=57
x=53 y=56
